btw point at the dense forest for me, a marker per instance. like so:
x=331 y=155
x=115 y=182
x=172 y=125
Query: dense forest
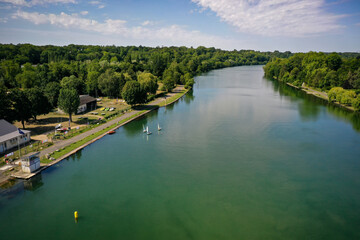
x=337 y=74
x=36 y=79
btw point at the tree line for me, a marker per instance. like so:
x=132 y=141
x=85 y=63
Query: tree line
x=337 y=74
x=36 y=79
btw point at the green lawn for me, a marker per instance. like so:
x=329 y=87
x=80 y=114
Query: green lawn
x=75 y=145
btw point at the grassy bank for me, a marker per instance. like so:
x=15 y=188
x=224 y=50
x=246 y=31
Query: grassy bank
x=75 y=145
x=173 y=98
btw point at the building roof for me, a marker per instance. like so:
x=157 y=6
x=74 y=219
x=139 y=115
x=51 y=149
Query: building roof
x=8 y=131
x=86 y=99
x=6 y=127
x=30 y=155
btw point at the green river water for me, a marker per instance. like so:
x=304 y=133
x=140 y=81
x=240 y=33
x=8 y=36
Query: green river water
x=240 y=157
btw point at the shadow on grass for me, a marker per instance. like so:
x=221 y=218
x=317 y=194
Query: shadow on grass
x=40 y=129
x=145 y=107
x=50 y=120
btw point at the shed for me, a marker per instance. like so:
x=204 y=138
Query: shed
x=87 y=103
x=30 y=162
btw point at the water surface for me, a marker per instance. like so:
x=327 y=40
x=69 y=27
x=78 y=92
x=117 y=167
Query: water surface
x=240 y=157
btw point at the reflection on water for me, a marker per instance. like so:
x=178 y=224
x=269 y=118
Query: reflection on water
x=76 y=156
x=33 y=183
x=189 y=97
x=310 y=106
x=15 y=187
x=140 y=122
x=345 y=115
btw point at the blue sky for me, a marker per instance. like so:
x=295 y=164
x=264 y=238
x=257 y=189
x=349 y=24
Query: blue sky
x=266 y=25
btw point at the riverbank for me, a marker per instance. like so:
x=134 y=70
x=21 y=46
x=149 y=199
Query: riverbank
x=64 y=149
x=322 y=95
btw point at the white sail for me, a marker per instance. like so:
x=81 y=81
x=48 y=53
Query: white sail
x=147 y=131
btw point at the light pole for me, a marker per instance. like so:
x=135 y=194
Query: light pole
x=19 y=148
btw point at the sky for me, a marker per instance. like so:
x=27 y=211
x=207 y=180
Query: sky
x=264 y=25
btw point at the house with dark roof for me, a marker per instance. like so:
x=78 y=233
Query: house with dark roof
x=87 y=103
x=10 y=136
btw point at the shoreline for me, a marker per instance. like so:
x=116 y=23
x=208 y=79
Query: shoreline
x=177 y=94
x=321 y=95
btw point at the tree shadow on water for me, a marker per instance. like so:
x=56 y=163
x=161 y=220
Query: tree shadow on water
x=189 y=97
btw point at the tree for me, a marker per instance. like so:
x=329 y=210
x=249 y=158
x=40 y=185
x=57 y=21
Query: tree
x=347 y=97
x=8 y=71
x=173 y=72
x=5 y=106
x=72 y=82
x=133 y=94
x=148 y=82
x=28 y=78
x=69 y=101
x=335 y=94
x=354 y=79
x=333 y=61
x=122 y=82
x=157 y=64
x=51 y=91
x=356 y=103
x=109 y=83
x=92 y=83
x=39 y=104
x=21 y=106
x=189 y=81
x=169 y=83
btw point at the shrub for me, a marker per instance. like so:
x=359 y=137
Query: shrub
x=356 y=103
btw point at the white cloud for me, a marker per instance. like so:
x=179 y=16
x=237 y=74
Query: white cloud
x=36 y=2
x=84 y=13
x=99 y=4
x=3 y=20
x=16 y=2
x=168 y=35
x=292 y=18
x=147 y=23
x=72 y=21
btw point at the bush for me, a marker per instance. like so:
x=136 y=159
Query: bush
x=356 y=103
x=347 y=97
x=335 y=94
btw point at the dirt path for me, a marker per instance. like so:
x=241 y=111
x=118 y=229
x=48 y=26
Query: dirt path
x=316 y=93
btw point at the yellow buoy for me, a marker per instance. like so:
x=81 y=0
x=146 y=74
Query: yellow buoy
x=76 y=215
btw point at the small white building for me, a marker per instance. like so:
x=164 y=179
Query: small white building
x=30 y=162
x=10 y=136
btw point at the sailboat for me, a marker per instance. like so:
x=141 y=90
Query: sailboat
x=144 y=129
x=159 y=128
x=147 y=131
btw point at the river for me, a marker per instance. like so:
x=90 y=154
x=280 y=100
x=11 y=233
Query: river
x=239 y=157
